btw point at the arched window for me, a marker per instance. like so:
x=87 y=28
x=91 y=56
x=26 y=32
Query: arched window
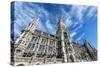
x=41 y=50
x=30 y=46
x=65 y=34
x=50 y=52
x=71 y=58
x=34 y=39
x=38 y=64
x=18 y=50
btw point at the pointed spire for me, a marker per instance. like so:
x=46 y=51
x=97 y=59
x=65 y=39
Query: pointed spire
x=60 y=19
x=36 y=19
x=61 y=23
x=34 y=24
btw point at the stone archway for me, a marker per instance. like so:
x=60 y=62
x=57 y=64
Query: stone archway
x=20 y=65
x=37 y=63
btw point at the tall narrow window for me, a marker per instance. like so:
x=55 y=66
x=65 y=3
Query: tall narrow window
x=72 y=59
x=50 y=50
x=29 y=46
x=65 y=34
x=43 y=41
x=32 y=46
x=51 y=42
x=36 y=39
x=33 y=38
x=41 y=49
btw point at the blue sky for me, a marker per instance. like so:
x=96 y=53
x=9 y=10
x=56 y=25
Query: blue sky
x=81 y=20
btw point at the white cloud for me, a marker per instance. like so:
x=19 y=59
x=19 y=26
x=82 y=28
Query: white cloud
x=91 y=12
x=78 y=27
x=50 y=27
x=68 y=21
x=17 y=32
x=41 y=26
x=75 y=24
x=81 y=36
x=66 y=17
x=73 y=34
x=78 y=11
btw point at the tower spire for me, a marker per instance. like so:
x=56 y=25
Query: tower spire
x=31 y=28
x=64 y=42
x=60 y=19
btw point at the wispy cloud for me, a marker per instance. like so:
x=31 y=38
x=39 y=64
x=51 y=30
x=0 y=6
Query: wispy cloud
x=50 y=27
x=73 y=34
x=80 y=37
x=91 y=12
x=78 y=27
x=41 y=26
x=66 y=17
x=79 y=13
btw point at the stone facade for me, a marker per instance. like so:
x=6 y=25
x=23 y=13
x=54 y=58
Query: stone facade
x=34 y=47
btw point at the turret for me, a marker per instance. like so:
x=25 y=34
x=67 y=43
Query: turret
x=65 y=47
x=26 y=32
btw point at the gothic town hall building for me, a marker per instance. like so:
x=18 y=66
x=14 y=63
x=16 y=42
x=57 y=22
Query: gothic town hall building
x=34 y=47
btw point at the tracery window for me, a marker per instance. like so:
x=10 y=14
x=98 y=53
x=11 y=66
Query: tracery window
x=51 y=42
x=34 y=39
x=72 y=59
x=50 y=50
x=41 y=49
x=43 y=41
x=30 y=46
